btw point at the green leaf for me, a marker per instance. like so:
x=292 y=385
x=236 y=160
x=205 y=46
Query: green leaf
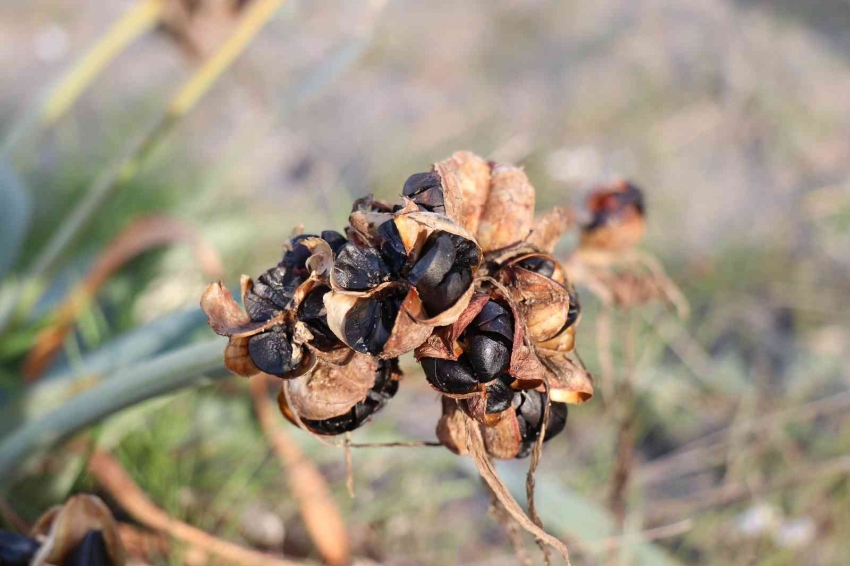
x=15 y=209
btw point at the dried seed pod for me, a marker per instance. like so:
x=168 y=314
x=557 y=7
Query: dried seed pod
x=16 y=549
x=520 y=424
x=284 y=327
x=508 y=215
x=549 y=228
x=548 y=304
x=82 y=532
x=618 y=217
x=344 y=416
x=451 y=428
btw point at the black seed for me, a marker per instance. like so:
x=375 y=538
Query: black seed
x=272 y=292
x=488 y=356
x=447 y=293
x=449 y=376
x=494 y=319
x=271 y=352
x=420 y=182
x=499 y=394
x=15 y=549
x=313 y=313
x=543 y=266
x=557 y=420
x=359 y=269
x=297 y=257
x=90 y=552
x=392 y=248
x=434 y=264
x=359 y=324
x=334 y=239
x=430 y=198
x=383 y=329
x=467 y=252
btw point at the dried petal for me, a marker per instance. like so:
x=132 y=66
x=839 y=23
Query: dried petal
x=508 y=216
x=466 y=184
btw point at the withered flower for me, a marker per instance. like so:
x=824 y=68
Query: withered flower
x=338 y=399
x=284 y=329
x=414 y=274
x=618 y=217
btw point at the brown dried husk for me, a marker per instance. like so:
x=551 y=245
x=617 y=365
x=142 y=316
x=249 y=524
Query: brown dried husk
x=465 y=179
x=568 y=382
x=451 y=428
x=62 y=528
x=331 y=390
x=508 y=215
x=476 y=407
x=503 y=440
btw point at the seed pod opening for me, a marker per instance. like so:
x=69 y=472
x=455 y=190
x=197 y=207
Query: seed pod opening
x=385 y=376
x=617 y=217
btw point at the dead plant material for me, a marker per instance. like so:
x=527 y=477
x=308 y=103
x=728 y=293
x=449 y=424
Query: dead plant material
x=112 y=477
x=138 y=237
x=316 y=504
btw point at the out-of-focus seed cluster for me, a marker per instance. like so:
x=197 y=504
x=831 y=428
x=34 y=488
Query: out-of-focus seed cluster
x=460 y=273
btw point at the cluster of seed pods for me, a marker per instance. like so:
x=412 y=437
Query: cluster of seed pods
x=460 y=272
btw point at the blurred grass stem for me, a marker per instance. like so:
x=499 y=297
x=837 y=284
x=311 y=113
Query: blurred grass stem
x=131 y=160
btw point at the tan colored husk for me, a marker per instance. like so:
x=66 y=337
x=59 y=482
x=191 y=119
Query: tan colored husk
x=330 y=391
x=61 y=529
x=225 y=316
x=549 y=228
x=466 y=184
x=508 y=215
x=415 y=227
x=451 y=428
x=543 y=303
x=568 y=382
x=562 y=343
x=503 y=440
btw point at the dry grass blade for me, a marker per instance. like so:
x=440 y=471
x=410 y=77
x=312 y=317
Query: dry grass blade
x=475 y=445
x=318 y=509
x=124 y=490
x=499 y=514
x=143 y=544
x=140 y=236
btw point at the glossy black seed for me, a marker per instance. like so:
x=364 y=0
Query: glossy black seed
x=272 y=292
x=15 y=549
x=334 y=239
x=430 y=198
x=359 y=324
x=434 y=264
x=297 y=257
x=449 y=376
x=359 y=269
x=543 y=266
x=392 y=248
x=419 y=182
x=557 y=420
x=271 y=352
x=90 y=552
x=383 y=329
x=494 y=319
x=499 y=394
x=530 y=408
x=488 y=355
x=467 y=253
x=313 y=313
x=453 y=286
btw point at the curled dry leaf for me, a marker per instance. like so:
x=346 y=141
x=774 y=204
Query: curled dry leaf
x=63 y=528
x=568 y=382
x=330 y=391
x=465 y=179
x=508 y=216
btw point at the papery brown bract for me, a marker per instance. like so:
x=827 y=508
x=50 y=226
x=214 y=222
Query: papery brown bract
x=508 y=215
x=466 y=185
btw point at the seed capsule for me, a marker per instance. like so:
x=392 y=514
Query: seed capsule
x=618 y=217
x=386 y=377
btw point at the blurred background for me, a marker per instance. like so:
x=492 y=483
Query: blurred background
x=123 y=192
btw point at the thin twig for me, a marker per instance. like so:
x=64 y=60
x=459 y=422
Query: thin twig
x=112 y=477
x=501 y=516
